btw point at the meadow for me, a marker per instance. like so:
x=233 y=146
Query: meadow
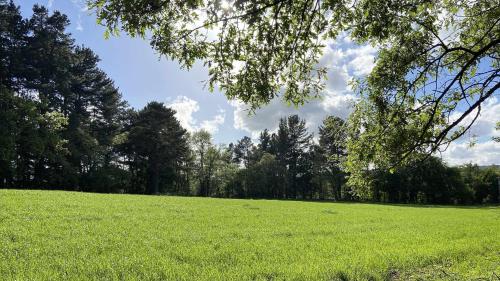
x=57 y=235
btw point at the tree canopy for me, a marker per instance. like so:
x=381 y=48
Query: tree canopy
x=159 y=143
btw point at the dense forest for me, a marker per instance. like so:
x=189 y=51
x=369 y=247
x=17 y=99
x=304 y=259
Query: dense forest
x=64 y=125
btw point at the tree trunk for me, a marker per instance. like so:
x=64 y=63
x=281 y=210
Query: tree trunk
x=154 y=177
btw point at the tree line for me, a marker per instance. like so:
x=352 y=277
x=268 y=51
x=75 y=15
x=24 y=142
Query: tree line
x=65 y=126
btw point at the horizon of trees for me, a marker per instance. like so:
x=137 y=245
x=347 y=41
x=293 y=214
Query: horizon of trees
x=65 y=126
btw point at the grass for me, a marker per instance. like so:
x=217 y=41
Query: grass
x=54 y=235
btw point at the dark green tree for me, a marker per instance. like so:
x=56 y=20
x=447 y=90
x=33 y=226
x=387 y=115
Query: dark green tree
x=292 y=143
x=13 y=35
x=243 y=151
x=265 y=139
x=333 y=140
x=160 y=142
x=67 y=110
x=483 y=182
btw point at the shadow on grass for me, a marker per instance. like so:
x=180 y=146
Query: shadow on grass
x=409 y=205
x=406 y=205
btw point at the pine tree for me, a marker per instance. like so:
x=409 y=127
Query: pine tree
x=332 y=140
x=160 y=142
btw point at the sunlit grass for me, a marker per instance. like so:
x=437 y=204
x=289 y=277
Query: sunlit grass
x=48 y=235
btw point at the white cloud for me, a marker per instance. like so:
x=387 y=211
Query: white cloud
x=484 y=153
x=186 y=107
x=79 y=26
x=485 y=123
x=362 y=59
x=50 y=3
x=356 y=60
x=212 y=126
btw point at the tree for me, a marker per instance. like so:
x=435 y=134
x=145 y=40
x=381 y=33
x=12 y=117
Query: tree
x=332 y=140
x=263 y=179
x=224 y=180
x=35 y=129
x=265 y=141
x=158 y=139
x=321 y=180
x=243 y=151
x=425 y=182
x=201 y=144
x=13 y=30
x=438 y=61
x=8 y=137
x=482 y=181
x=299 y=141
x=292 y=143
x=64 y=111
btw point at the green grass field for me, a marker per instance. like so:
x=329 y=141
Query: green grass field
x=52 y=235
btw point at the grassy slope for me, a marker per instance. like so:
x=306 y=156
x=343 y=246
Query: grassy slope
x=75 y=236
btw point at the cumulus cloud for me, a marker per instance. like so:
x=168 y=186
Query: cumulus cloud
x=357 y=60
x=212 y=125
x=362 y=60
x=185 y=109
x=483 y=153
x=485 y=123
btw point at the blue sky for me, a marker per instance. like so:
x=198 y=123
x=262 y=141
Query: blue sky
x=142 y=77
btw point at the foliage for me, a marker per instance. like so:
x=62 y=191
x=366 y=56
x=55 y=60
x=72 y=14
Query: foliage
x=158 y=146
x=332 y=144
x=203 y=150
x=281 y=165
x=62 y=112
x=483 y=182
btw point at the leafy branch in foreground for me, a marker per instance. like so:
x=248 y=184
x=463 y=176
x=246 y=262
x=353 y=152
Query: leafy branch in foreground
x=428 y=86
x=253 y=49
